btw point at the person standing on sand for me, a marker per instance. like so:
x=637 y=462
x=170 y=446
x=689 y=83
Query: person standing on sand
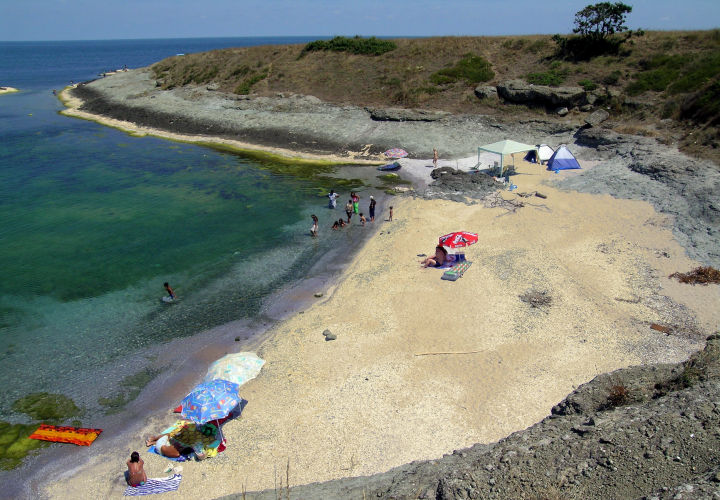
x=349 y=210
x=435 y=157
x=390 y=214
x=372 y=209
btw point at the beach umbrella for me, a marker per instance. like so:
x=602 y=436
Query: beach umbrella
x=238 y=367
x=458 y=239
x=396 y=153
x=210 y=401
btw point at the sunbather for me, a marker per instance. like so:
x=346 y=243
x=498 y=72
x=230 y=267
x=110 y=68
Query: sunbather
x=436 y=260
x=164 y=446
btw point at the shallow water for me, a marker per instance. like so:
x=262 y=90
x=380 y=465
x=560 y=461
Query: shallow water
x=94 y=221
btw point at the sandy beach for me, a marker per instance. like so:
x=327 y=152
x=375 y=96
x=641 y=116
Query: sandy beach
x=423 y=366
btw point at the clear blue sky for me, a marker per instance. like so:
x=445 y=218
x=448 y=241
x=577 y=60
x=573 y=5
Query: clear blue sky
x=117 y=19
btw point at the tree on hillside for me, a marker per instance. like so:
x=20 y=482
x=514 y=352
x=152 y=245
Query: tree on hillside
x=601 y=20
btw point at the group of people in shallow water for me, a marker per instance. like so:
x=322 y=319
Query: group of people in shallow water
x=352 y=207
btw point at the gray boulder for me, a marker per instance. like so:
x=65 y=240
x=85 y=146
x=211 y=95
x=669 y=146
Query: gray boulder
x=405 y=115
x=597 y=117
x=521 y=92
x=486 y=92
x=562 y=111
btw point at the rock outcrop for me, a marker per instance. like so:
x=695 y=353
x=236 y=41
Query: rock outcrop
x=521 y=92
x=405 y=115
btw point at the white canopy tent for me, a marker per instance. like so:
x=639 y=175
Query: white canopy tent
x=506 y=147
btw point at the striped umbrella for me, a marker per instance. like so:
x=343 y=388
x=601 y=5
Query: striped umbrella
x=396 y=153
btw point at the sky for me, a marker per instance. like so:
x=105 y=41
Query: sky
x=22 y=20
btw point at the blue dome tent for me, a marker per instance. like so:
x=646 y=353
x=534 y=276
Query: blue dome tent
x=562 y=159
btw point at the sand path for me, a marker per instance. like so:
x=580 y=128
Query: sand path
x=367 y=401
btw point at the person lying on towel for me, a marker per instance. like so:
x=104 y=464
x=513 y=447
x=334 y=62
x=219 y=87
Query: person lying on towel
x=185 y=438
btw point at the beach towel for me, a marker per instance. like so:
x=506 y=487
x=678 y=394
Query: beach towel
x=452 y=259
x=154 y=485
x=59 y=434
x=152 y=449
x=456 y=271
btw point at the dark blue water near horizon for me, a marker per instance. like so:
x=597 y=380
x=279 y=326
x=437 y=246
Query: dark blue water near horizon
x=93 y=221
x=54 y=64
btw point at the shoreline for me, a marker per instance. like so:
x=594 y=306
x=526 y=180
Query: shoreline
x=151 y=412
x=282 y=155
x=361 y=412
x=354 y=406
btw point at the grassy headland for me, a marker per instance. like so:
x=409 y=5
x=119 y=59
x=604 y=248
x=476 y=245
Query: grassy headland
x=653 y=76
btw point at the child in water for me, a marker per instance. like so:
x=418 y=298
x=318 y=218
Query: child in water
x=341 y=223
x=135 y=475
x=336 y=225
x=169 y=290
x=362 y=219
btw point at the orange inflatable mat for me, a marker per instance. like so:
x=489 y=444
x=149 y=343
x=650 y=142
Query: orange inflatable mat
x=59 y=434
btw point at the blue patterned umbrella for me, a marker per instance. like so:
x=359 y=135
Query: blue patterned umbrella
x=396 y=153
x=210 y=401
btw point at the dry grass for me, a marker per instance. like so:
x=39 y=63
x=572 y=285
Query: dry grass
x=404 y=76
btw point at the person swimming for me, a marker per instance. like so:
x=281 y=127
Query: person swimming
x=169 y=290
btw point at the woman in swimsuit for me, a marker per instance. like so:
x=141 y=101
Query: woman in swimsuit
x=135 y=475
x=436 y=260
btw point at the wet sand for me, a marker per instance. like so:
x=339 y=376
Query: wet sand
x=423 y=366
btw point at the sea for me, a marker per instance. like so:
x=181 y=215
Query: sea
x=93 y=221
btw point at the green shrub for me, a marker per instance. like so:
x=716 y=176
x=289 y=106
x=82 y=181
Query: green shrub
x=612 y=78
x=679 y=73
x=552 y=78
x=657 y=73
x=471 y=68
x=704 y=106
x=588 y=85
x=246 y=85
x=697 y=74
x=538 y=46
x=361 y=46
x=241 y=71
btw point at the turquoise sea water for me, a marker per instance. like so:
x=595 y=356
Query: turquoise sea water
x=93 y=221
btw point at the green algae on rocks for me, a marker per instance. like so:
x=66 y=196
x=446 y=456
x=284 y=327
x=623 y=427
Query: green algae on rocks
x=15 y=444
x=47 y=407
x=131 y=386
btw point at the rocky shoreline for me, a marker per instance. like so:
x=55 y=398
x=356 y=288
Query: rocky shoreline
x=640 y=432
x=632 y=167
x=648 y=432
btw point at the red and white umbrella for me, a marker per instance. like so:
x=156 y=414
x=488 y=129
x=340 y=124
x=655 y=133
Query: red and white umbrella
x=458 y=239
